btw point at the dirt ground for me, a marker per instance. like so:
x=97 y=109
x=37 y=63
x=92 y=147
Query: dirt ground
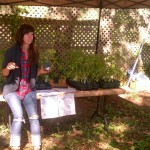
x=85 y=107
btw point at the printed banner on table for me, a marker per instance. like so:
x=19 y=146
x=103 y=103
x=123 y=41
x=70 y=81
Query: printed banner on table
x=66 y=104
x=59 y=105
x=49 y=107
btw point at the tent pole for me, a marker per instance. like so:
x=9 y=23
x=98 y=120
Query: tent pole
x=98 y=30
x=136 y=61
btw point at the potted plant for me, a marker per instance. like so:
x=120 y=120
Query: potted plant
x=113 y=71
x=81 y=70
x=48 y=58
x=86 y=71
x=56 y=74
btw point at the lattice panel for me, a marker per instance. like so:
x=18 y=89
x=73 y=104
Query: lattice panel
x=57 y=13
x=58 y=28
x=124 y=31
x=5 y=35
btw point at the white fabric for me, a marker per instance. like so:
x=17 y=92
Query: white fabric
x=36 y=140
x=57 y=104
x=14 y=141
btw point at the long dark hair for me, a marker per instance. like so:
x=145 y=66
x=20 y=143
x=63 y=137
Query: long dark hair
x=32 y=51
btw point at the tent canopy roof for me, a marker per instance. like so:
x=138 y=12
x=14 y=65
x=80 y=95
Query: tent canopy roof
x=81 y=3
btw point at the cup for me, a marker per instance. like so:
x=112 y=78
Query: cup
x=46 y=66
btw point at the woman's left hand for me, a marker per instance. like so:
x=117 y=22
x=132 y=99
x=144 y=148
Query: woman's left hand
x=43 y=71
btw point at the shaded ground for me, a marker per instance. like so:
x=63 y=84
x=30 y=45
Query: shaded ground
x=129 y=123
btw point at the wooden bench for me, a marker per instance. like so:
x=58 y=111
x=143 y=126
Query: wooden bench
x=92 y=93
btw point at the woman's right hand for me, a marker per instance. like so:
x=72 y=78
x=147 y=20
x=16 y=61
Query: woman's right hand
x=11 y=66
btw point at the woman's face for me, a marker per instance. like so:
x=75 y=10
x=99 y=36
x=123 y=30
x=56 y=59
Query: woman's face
x=28 y=38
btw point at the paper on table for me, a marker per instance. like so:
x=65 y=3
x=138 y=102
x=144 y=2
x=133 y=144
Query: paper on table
x=49 y=107
x=56 y=104
x=66 y=104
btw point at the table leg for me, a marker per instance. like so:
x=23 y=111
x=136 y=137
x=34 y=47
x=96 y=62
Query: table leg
x=96 y=112
x=104 y=112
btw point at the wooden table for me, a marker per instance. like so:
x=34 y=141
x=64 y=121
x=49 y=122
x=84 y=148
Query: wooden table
x=92 y=93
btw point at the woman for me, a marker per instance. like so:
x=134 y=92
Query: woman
x=20 y=69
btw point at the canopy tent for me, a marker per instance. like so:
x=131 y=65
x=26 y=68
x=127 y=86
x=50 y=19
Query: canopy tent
x=82 y=3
